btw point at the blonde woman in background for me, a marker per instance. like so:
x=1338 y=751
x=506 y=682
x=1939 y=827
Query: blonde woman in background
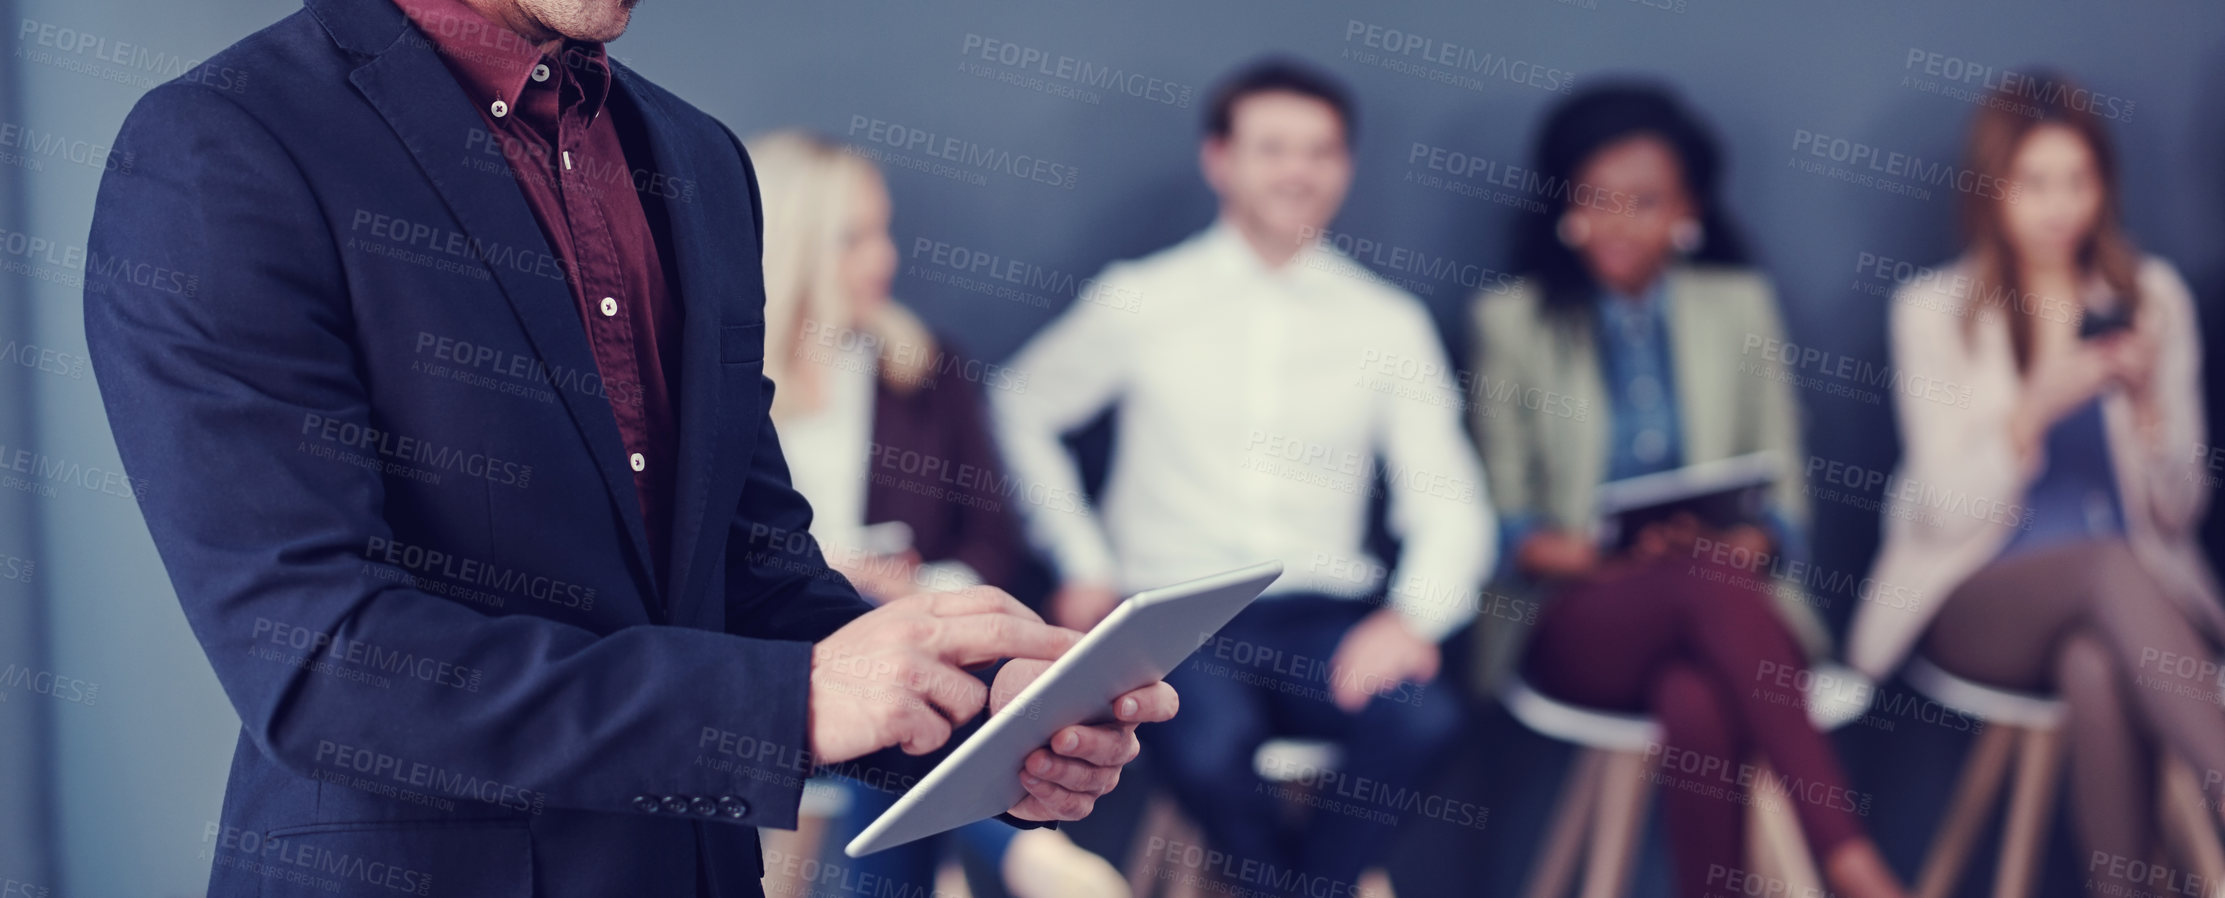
x=866 y=395
x=2081 y=451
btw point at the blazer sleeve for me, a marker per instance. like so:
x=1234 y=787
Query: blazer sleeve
x=207 y=390
x=1505 y=431
x=1777 y=419
x=778 y=584
x=2177 y=473
x=1962 y=446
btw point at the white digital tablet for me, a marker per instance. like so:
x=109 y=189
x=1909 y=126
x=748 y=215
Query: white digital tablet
x=1143 y=640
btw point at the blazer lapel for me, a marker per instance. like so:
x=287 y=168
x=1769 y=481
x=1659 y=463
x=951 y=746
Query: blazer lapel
x=706 y=235
x=1698 y=358
x=421 y=100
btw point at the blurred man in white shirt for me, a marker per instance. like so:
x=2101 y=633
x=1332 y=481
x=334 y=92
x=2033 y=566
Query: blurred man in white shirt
x=1264 y=382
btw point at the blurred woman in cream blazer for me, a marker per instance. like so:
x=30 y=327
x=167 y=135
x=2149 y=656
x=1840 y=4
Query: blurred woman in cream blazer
x=2040 y=537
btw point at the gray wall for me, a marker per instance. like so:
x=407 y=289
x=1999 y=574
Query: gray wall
x=135 y=774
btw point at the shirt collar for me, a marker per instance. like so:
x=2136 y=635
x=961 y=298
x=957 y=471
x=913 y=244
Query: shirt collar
x=1634 y=317
x=495 y=64
x=1235 y=253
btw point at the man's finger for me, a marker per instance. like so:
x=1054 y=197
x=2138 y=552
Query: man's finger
x=957 y=695
x=1068 y=773
x=1057 y=802
x=980 y=638
x=1151 y=704
x=1104 y=746
x=976 y=600
x=919 y=729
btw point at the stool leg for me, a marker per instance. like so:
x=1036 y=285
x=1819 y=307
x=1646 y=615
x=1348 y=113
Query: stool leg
x=1975 y=790
x=2189 y=829
x=2031 y=809
x=1625 y=790
x=1775 y=843
x=1564 y=835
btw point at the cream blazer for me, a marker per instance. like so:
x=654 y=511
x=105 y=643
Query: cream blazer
x=1959 y=492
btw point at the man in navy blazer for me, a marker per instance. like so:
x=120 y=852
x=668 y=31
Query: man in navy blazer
x=502 y=571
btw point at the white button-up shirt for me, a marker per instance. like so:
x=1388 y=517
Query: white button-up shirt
x=1256 y=404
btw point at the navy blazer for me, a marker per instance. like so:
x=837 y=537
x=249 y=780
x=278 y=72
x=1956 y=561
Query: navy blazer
x=390 y=491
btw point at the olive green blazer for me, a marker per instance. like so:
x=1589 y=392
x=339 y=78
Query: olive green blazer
x=1539 y=410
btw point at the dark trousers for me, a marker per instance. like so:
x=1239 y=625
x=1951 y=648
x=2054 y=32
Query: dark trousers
x=1267 y=675
x=1700 y=647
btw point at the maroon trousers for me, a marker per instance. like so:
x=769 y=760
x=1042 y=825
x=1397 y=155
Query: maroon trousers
x=1700 y=648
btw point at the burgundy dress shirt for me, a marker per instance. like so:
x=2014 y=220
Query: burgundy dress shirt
x=549 y=117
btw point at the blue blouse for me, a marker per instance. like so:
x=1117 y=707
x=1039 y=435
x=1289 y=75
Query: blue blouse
x=1645 y=431
x=1633 y=337
x=2075 y=498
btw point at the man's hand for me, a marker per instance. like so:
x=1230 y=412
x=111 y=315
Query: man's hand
x=1553 y=554
x=1375 y=656
x=1079 y=606
x=894 y=675
x=1065 y=778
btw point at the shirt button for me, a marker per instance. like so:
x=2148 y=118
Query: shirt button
x=645 y=804
x=541 y=72
x=500 y=109
x=637 y=461
x=703 y=807
x=733 y=807
x=675 y=804
x=610 y=306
